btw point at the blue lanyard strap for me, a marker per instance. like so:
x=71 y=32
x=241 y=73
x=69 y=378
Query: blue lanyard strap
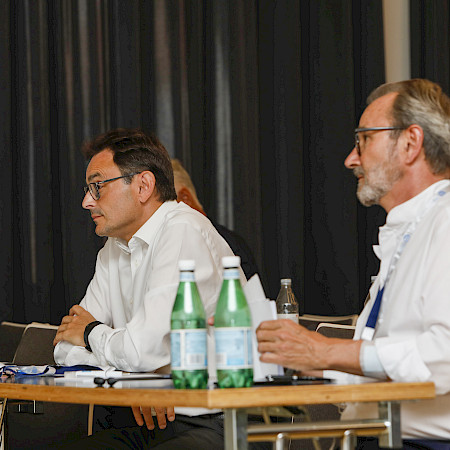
x=369 y=329
x=373 y=316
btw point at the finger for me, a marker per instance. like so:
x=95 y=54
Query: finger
x=66 y=319
x=267 y=336
x=211 y=321
x=147 y=413
x=76 y=310
x=271 y=347
x=269 y=357
x=58 y=338
x=137 y=415
x=170 y=412
x=161 y=417
x=269 y=325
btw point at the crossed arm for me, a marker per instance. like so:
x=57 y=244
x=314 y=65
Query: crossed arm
x=72 y=330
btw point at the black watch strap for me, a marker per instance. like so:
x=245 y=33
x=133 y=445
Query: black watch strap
x=87 y=331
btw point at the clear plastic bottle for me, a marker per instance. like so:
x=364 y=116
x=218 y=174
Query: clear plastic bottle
x=188 y=340
x=233 y=330
x=287 y=305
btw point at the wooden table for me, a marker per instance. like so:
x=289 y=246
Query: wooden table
x=235 y=401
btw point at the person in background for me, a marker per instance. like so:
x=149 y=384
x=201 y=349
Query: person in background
x=123 y=320
x=402 y=161
x=186 y=193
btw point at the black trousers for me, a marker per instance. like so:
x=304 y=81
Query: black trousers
x=115 y=428
x=187 y=433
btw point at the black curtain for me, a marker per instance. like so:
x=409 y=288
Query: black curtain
x=430 y=41
x=257 y=98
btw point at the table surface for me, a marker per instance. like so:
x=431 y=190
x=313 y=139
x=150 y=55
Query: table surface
x=162 y=393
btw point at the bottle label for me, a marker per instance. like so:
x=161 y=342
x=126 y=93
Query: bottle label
x=234 y=348
x=293 y=317
x=188 y=349
x=187 y=276
x=231 y=274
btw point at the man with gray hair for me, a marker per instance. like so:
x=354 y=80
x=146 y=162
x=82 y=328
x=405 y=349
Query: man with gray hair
x=186 y=193
x=401 y=158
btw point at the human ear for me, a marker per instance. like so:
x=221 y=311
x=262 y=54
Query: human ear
x=146 y=185
x=185 y=196
x=414 y=143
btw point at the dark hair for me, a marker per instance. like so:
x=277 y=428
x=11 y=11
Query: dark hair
x=422 y=102
x=135 y=151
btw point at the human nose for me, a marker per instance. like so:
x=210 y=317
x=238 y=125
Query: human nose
x=352 y=159
x=88 y=201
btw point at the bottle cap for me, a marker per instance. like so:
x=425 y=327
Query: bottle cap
x=186 y=265
x=286 y=281
x=231 y=261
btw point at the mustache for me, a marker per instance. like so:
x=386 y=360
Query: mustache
x=96 y=212
x=358 y=172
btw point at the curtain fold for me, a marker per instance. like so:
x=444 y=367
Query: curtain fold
x=258 y=99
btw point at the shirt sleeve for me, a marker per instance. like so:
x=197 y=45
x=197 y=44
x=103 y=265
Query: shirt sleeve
x=425 y=355
x=143 y=344
x=96 y=302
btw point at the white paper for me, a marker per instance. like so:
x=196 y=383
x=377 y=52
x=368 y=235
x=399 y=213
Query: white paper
x=261 y=309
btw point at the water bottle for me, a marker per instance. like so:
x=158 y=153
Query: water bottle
x=233 y=330
x=188 y=342
x=287 y=305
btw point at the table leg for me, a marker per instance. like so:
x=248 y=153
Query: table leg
x=390 y=411
x=348 y=441
x=235 y=427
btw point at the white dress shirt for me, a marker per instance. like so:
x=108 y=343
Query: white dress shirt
x=134 y=287
x=412 y=336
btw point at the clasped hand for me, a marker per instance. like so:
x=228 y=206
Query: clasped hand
x=72 y=326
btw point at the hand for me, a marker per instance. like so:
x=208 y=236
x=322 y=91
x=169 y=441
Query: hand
x=72 y=326
x=211 y=321
x=290 y=345
x=145 y=413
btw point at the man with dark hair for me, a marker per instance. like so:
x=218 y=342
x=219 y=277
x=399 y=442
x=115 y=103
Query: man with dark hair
x=402 y=161
x=124 y=319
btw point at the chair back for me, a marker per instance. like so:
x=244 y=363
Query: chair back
x=334 y=330
x=46 y=423
x=36 y=345
x=311 y=321
x=10 y=335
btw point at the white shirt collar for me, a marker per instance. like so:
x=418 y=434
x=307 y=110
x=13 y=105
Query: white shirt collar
x=147 y=231
x=401 y=216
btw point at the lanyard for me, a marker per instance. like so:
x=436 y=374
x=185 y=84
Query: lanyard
x=369 y=329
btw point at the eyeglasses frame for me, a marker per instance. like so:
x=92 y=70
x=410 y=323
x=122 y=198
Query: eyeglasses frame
x=88 y=188
x=361 y=130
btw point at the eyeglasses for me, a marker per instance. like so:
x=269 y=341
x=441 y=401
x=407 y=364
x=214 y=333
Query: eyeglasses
x=361 y=130
x=94 y=188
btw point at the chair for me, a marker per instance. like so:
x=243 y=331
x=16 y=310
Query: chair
x=45 y=423
x=311 y=321
x=10 y=335
x=334 y=330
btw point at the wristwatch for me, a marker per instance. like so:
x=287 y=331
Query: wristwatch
x=87 y=331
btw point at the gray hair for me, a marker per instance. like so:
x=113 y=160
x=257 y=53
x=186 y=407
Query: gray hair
x=423 y=103
x=180 y=174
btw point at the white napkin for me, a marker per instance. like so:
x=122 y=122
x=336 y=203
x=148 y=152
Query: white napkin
x=261 y=309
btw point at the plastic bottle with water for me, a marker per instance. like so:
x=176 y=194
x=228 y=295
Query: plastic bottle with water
x=286 y=303
x=188 y=340
x=233 y=330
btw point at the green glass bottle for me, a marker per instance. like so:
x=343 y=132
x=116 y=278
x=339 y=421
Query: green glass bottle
x=233 y=330
x=188 y=339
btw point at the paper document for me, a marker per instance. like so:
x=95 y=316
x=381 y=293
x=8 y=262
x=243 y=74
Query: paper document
x=261 y=309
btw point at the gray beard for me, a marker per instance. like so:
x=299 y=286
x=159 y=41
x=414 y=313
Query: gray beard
x=378 y=182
